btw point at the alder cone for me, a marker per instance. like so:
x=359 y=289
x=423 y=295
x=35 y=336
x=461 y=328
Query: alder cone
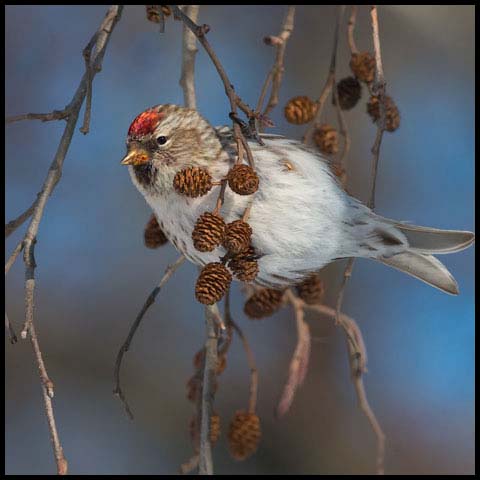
x=214 y=429
x=263 y=303
x=242 y=179
x=244 y=435
x=192 y=182
x=311 y=290
x=209 y=232
x=326 y=139
x=153 y=235
x=349 y=93
x=300 y=110
x=363 y=66
x=212 y=283
x=237 y=236
x=244 y=265
x=392 y=120
x=153 y=12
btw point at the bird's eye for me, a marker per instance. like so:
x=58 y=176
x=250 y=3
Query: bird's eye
x=162 y=140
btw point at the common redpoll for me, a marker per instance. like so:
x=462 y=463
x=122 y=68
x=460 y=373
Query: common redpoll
x=301 y=218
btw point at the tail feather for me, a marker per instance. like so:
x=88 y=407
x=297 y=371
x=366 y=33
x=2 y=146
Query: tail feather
x=434 y=240
x=424 y=267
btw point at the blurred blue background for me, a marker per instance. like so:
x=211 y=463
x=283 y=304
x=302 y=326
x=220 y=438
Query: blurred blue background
x=94 y=272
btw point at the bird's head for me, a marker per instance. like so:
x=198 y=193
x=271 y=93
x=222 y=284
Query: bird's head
x=166 y=138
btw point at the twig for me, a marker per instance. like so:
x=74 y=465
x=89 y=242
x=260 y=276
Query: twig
x=209 y=374
x=71 y=113
x=189 y=51
x=44 y=117
x=12 y=225
x=299 y=362
x=87 y=56
x=201 y=33
x=126 y=345
x=378 y=88
x=343 y=131
x=276 y=73
x=351 y=29
x=47 y=391
x=10 y=330
x=13 y=256
x=190 y=464
x=330 y=82
x=252 y=399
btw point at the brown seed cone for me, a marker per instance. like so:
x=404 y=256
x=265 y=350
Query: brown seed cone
x=363 y=66
x=311 y=290
x=340 y=173
x=349 y=92
x=326 y=139
x=192 y=182
x=237 y=236
x=198 y=361
x=214 y=429
x=243 y=180
x=209 y=232
x=212 y=283
x=244 y=265
x=243 y=435
x=299 y=110
x=153 y=12
x=263 y=303
x=392 y=113
x=153 y=235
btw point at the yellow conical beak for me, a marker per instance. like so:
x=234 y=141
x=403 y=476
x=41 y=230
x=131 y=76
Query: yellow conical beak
x=136 y=157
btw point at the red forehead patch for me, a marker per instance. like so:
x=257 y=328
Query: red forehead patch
x=145 y=123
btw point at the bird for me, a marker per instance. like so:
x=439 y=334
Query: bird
x=301 y=217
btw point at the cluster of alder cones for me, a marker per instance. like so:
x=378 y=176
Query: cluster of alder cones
x=211 y=231
x=301 y=110
x=244 y=431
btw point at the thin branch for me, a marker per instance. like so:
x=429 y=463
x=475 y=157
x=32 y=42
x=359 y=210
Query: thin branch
x=201 y=33
x=71 y=113
x=208 y=390
x=299 y=362
x=330 y=82
x=351 y=29
x=378 y=89
x=12 y=225
x=47 y=391
x=11 y=332
x=189 y=51
x=44 y=117
x=13 y=256
x=170 y=270
x=276 y=73
x=343 y=129
x=252 y=399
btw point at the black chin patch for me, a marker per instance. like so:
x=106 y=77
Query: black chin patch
x=146 y=174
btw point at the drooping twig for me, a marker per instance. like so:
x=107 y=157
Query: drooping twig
x=44 y=117
x=330 y=82
x=201 y=33
x=299 y=362
x=189 y=51
x=209 y=374
x=12 y=225
x=170 y=270
x=252 y=399
x=10 y=330
x=13 y=256
x=276 y=73
x=71 y=113
x=351 y=29
x=378 y=88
